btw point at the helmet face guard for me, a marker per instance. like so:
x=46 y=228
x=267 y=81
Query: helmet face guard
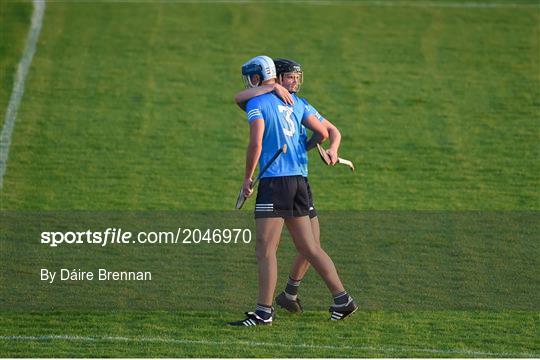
x=248 y=70
x=300 y=78
x=247 y=82
x=285 y=67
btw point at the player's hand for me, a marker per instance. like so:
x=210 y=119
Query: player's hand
x=333 y=156
x=246 y=187
x=283 y=94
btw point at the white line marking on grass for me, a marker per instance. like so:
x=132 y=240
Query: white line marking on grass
x=18 y=85
x=392 y=349
x=366 y=3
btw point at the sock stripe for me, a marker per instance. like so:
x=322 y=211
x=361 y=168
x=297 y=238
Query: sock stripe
x=342 y=299
x=293 y=282
x=292 y=287
x=263 y=308
x=349 y=300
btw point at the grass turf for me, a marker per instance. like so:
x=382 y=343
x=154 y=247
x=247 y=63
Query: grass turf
x=129 y=107
x=202 y=334
x=437 y=106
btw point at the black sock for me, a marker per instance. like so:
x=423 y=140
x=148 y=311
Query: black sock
x=292 y=288
x=263 y=311
x=341 y=299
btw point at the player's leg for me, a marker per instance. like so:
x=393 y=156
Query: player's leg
x=268 y=232
x=302 y=234
x=301 y=265
x=288 y=299
x=268 y=236
x=300 y=228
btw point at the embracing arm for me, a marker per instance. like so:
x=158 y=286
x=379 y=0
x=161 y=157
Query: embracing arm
x=243 y=96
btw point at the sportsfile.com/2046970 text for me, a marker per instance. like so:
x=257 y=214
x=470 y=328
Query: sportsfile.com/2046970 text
x=117 y=236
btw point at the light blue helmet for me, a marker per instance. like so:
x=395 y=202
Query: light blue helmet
x=259 y=65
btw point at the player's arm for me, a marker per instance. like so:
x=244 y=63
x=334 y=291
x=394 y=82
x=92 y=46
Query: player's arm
x=319 y=131
x=253 y=152
x=314 y=119
x=243 y=96
x=334 y=137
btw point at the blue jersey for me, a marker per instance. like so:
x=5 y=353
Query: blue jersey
x=282 y=125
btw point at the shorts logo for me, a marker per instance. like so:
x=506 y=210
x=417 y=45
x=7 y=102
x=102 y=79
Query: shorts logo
x=264 y=207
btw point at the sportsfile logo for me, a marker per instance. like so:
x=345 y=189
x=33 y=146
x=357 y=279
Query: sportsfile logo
x=109 y=236
x=120 y=237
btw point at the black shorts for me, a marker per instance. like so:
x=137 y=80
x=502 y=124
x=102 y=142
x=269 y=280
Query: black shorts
x=312 y=211
x=283 y=196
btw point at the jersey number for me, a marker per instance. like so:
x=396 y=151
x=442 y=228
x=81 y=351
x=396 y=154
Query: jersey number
x=288 y=112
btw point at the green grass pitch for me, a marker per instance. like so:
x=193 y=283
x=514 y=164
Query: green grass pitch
x=129 y=107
